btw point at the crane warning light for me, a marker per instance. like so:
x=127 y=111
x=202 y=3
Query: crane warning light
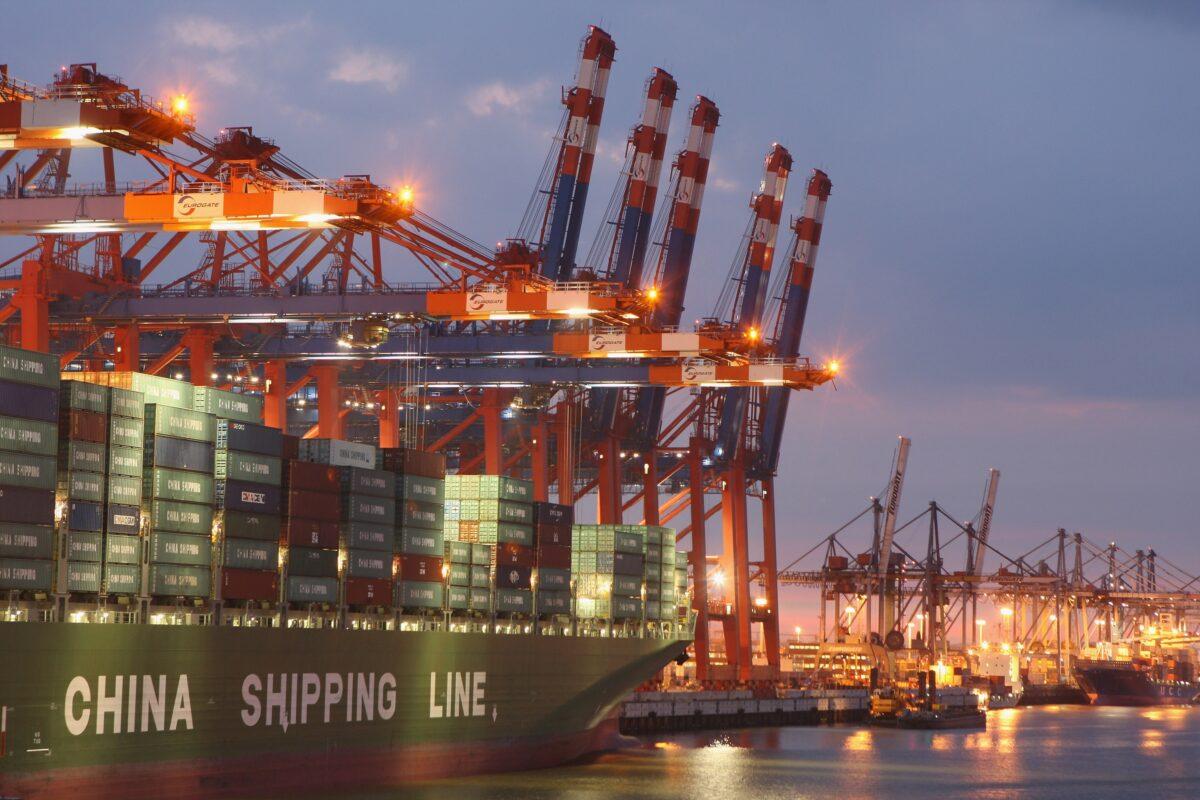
x=752 y=334
x=179 y=104
x=833 y=366
x=405 y=195
x=652 y=294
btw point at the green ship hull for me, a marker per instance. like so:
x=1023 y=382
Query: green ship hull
x=154 y=710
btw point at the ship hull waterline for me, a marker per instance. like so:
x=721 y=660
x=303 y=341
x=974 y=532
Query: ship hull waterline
x=136 y=711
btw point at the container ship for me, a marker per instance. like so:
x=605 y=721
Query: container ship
x=193 y=604
x=1136 y=683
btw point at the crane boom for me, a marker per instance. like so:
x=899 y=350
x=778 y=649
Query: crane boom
x=752 y=281
x=985 y=520
x=788 y=327
x=585 y=105
x=895 y=487
x=675 y=259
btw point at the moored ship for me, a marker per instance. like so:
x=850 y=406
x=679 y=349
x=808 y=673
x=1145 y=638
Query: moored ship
x=136 y=711
x=1130 y=683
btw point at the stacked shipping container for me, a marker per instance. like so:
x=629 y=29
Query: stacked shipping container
x=368 y=533
x=419 y=570
x=552 y=534
x=496 y=512
x=82 y=485
x=122 y=510
x=609 y=569
x=29 y=388
x=180 y=492
x=249 y=472
x=311 y=531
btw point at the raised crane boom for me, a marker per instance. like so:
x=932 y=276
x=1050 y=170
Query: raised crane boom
x=985 y=521
x=888 y=533
x=752 y=280
x=648 y=143
x=788 y=327
x=585 y=106
x=675 y=259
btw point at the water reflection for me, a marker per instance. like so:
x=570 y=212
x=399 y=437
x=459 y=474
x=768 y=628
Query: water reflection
x=1058 y=754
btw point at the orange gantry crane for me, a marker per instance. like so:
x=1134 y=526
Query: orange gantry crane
x=515 y=359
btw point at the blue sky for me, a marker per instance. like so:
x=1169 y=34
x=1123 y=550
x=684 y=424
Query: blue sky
x=1009 y=262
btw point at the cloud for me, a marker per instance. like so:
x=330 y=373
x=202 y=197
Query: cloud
x=207 y=33
x=722 y=184
x=499 y=96
x=370 y=66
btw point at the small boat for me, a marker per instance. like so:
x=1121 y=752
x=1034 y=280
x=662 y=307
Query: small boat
x=943 y=719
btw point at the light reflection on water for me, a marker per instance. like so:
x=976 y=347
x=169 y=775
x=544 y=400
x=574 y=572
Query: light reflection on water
x=1056 y=753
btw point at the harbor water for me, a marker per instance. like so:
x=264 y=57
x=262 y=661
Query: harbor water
x=1055 y=752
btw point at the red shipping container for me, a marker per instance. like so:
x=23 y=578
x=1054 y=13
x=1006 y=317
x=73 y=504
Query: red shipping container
x=313 y=505
x=414 y=462
x=558 y=535
x=514 y=555
x=249 y=584
x=84 y=426
x=554 y=556
x=368 y=591
x=291 y=447
x=417 y=568
x=320 y=534
x=312 y=477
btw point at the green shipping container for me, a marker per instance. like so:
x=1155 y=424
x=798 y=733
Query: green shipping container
x=514 y=601
x=83 y=576
x=368 y=564
x=26 y=469
x=420 y=594
x=369 y=536
x=303 y=589
x=87 y=456
x=80 y=485
x=553 y=602
x=26 y=574
x=460 y=575
x=419 y=514
x=172 y=580
x=419 y=542
x=481 y=577
x=18 y=540
x=626 y=539
x=511 y=533
x=481 y=554
x=85 y=546
x=180 y=423
x=154 y=390
x=122 y=549
x=180 y=548
x=418 y=487
x=168 y=515
x=481 y=600
x=125 y=490
x=84 y=396
x=626 y=608
x=626 y=586
x=459 y=552
x=232 y=465
x=250 y=525
x=172 y=484
x=28 y=436
x=127 y=432
x=122 y=578
x=251 y=554
x=125 y=461
x=126 y=403
x=26 y=366
x=226 y=404
x=458 y=598
x=365 y=508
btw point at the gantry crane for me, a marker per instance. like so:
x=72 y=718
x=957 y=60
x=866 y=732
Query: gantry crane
x=223 y=261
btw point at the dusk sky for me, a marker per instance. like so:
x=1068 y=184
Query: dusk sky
x=1009 y=268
